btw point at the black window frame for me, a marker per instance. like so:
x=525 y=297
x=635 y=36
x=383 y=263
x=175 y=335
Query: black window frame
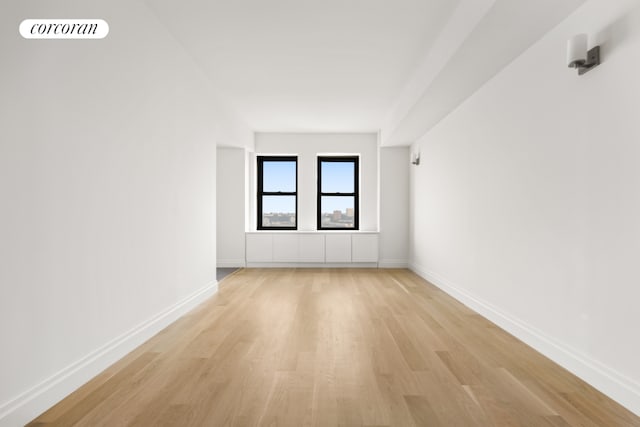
x=261 y=193
x=356 y=194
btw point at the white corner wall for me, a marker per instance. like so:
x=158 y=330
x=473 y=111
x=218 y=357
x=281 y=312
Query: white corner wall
x=230 y=206
x=107 y=177
x=394 y=207
x=527 y=203
x=307 y=146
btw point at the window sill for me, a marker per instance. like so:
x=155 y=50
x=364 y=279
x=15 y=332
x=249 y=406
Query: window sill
x=313 y=231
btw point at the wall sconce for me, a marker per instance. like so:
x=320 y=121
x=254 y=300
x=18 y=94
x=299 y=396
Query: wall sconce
x=415 y=159
x=579 y=57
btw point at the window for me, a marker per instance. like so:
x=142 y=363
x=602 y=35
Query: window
x=338 y=193
x=277 y=193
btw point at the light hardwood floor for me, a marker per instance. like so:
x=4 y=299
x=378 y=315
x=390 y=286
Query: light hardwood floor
x=334 y=347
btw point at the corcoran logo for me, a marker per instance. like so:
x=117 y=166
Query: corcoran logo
x=64 y=29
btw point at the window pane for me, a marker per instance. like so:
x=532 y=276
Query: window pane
x=337 y=212
x=337 y=177
x=279 y=176
x=278 y=211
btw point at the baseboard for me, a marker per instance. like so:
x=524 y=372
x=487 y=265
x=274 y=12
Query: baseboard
x=28 y=405
x=618 y=387
x=231 y=263
x=393 y=263
x=311 y=265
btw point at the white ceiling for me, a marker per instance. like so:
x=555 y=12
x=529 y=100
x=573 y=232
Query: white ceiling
x=397 y=66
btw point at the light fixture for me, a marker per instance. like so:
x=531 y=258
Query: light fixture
x=579 y=57
x=415 y=159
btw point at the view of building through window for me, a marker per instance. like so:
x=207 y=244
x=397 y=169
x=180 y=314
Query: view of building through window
x=337 y=212
x=278 y=211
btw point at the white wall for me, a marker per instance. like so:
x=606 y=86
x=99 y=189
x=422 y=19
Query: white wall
x=307 y=147
x=394 y=207
x=107 y=177
x=230 y=207
x=527 y=203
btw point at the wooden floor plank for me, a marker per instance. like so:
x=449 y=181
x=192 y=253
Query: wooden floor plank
x=334 y=347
